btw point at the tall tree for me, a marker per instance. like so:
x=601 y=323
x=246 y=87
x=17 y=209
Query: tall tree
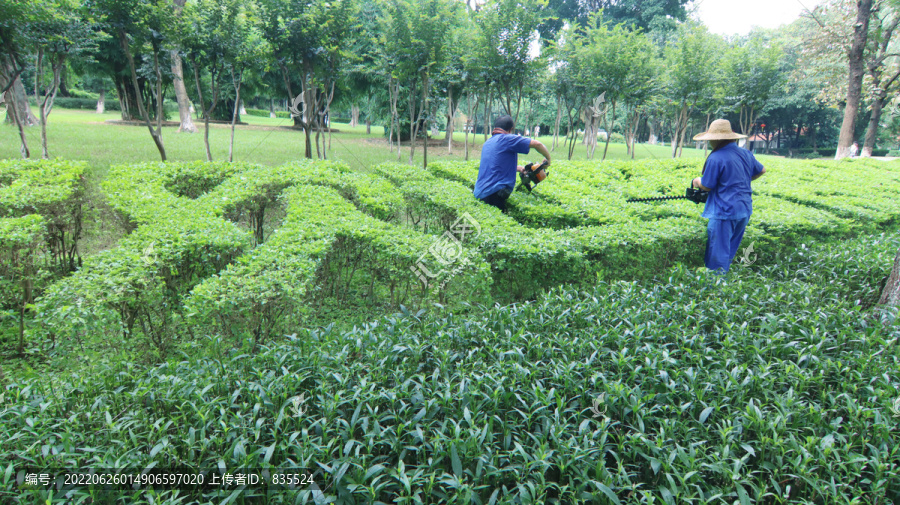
x=752 y=73
x=856 y=72
x=416 y=35
x=13 y=61
x=307 y=40
x=615 y=62
x=61 y=31
x=245 y=48
x=137 y=25
x=186 y=121
x=691 y=74
x=507 y=31
x=883 y=69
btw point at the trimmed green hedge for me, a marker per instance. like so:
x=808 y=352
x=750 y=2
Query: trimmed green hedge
x=264 y=113
x=55 y=190
x=317 y=255
x=390 y=237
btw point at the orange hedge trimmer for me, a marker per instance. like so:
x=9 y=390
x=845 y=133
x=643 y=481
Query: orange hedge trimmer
x=532 y=175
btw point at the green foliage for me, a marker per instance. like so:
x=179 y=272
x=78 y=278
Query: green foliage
x=20 y=241
x=264 y=113
x=55 y=190
x=252 y=252
x=773 y=383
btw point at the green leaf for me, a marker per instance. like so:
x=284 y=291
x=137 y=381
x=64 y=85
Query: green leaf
x=454 y=459
x=705 y=414
x=608 y=492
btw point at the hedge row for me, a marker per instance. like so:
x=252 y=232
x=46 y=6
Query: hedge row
x=525 y=260
x=382 y=238
x=139 y=286
x=326 y=253
x=192 y=220
x=20 y=241
x=264 y=113
x=55 y=190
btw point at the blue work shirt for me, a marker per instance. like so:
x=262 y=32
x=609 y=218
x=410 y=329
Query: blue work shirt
x=728 y=172
x=499 y=158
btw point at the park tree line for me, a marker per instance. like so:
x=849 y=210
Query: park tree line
x=641 y=70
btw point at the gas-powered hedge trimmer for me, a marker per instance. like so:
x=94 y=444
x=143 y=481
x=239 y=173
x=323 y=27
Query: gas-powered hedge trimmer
x=532 y=175
x=693 y=194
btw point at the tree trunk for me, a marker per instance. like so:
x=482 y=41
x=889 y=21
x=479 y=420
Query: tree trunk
x=45 y=106
x=11 y=111
x=611 y=123
x=157 y=139
x=101 y=102
x=424 y=111
x=184 y=103
x=368 y=126
x=470 y=120
x=487 y=115
x=872 y=128
x=450 y=111
x=890 y=296
x=556 y=126
x=855 y=77
x=393 y=115
x=16 y=97
x=237 y=102
x=354 y=116
x=328 y=115
x=413 y=127
x=214 y=82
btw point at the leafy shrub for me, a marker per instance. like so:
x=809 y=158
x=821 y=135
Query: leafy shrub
x=55 y=190
x=264 y=113
x=20 y=239
x=315 y=255
x=772 y=383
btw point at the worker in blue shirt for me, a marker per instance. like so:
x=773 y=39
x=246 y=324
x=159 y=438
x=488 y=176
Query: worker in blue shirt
x=726 y=175
x=499 y=162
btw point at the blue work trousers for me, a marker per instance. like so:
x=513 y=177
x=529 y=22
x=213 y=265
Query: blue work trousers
x=723 y=239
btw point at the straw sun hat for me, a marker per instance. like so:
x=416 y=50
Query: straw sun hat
x=720 y=129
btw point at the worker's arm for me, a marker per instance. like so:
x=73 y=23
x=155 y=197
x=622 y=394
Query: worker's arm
x=757 y=176
x=541 y=148
x=696 y=184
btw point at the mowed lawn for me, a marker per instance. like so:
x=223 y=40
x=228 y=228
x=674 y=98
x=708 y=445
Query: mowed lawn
x=84 y=135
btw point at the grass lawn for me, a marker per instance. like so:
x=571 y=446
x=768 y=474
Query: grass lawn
x=84 y=135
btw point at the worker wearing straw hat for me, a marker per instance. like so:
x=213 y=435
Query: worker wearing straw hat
x=726 y=175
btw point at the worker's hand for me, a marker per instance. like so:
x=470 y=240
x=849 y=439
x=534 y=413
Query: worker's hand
x=520 y=168
x=546 y=161
x=696 y=183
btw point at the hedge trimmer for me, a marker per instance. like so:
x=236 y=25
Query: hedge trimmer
x=532 y=175
x=693 y=194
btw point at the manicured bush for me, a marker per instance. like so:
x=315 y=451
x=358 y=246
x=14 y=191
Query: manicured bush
x=138 y=287
x=55 y=190
x=328 y=253
x=20 y=241
x=264 y=113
